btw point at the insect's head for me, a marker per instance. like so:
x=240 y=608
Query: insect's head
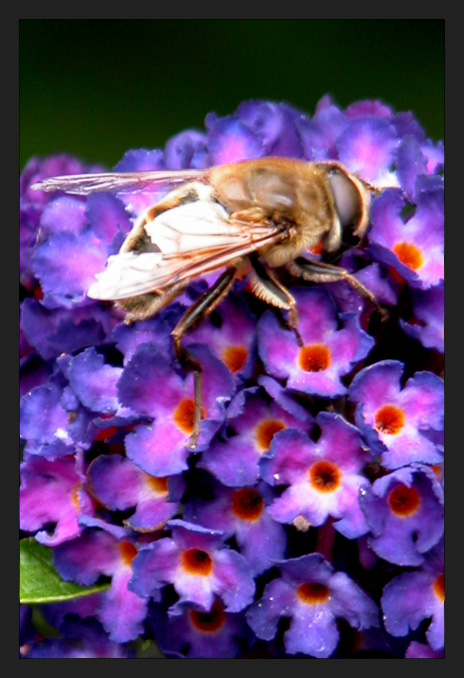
x=352 y=197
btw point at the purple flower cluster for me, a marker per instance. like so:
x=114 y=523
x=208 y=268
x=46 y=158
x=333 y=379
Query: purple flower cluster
x=309 y=519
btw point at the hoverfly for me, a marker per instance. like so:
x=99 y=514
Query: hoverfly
x=249 y=218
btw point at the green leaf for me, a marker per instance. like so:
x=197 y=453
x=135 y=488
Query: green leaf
x=147 y=649
x=38 y=580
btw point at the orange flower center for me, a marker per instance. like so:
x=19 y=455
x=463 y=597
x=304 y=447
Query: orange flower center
x=409 y=255
x=184 y=415
x=404 y=500
x=439 y=586
x=75 y=497
x=312 y=592
x=234 y=357
x=438 y=470
x=324 y=476
x=247 y=504
x=196 y=561
x=314 y=357
x=389 y=419
x=127 y=551
x=208 y=622
x=159 y=485
x=266 y=430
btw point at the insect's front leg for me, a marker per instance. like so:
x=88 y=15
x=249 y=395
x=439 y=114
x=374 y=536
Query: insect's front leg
x=200 y=309
x=320 y=272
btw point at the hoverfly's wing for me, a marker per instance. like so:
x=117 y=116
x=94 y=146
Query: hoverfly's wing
x=118 y=182
x=199 y=226
x=192 y=239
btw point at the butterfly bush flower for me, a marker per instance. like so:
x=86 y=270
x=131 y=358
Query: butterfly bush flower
x=242 y=513
x=414 y=596
x=251 y=423
x=396 y=420
x=161 y=447
x=404 y=510
x=413 y=247
x=52 y=493
x=323 y=478
x=327 y=353
x=313 y=595
x=231 y=337
x=194 y=633
x=315 y=492
x=105 y=549
x=427 y=323
x=198 y=564
x=119 y=484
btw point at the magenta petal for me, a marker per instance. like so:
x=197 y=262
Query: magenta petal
x=65 y=213
x=277 y=347
x=350 y=344
x=232 y=579
x=299 y=500
x=234 y=462
x=353 y=524
x=340 y=442
x=423 y=400
x=324 y=636
x=159 y=449
x=50 y=494
x=154 y=566
x=94 y=382
x=230 y=140
x=377 y=384
x=367 y=146
x=151 y=514
x=148 y=383
x=263 y=616
x=122 y=612
x=84 y=559
x=66 y=265
x=290 y=454
x=115 y=481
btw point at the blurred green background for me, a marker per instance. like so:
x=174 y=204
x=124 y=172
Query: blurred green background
x=95 y=88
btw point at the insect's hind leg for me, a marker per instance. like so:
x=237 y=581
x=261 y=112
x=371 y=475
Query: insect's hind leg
x=265 y=285
x=200 y=309
x=148 y=305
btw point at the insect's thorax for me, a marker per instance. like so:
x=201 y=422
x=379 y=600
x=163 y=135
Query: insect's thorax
x=293 y=193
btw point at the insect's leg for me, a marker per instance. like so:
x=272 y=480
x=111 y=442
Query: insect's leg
x=200 y=309
x=266 y=286
x=320 y=272
x=147 y=305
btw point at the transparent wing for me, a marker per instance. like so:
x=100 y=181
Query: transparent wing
x=118 y=182
x=130 y=274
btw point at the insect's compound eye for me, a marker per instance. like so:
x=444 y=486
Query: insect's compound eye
x=346 y=197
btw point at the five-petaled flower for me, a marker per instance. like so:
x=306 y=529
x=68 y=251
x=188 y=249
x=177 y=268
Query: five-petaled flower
x=313 y=595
